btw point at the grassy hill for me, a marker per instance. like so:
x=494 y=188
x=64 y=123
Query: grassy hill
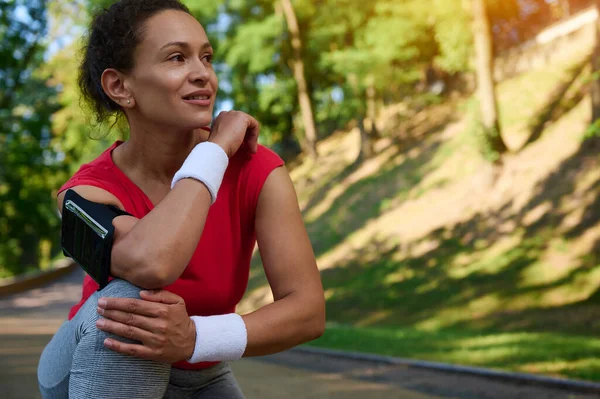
x=428 y=251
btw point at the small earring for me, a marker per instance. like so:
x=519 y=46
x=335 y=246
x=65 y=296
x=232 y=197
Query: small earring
x=128 y=101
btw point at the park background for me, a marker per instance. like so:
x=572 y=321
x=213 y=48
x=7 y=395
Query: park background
x=444 y=154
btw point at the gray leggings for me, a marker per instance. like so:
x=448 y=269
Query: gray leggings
x=76 y=364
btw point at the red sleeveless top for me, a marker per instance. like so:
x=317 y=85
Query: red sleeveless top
x=217 y=276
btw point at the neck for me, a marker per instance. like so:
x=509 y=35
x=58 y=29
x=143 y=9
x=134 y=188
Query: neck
x=152 y=155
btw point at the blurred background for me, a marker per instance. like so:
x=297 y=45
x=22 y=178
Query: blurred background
x=445 y=155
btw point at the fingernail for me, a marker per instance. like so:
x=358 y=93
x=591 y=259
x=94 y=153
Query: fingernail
x=108 y=343
x=100 y=323
x=100 y=310
x=102 y=303
x=145 y=292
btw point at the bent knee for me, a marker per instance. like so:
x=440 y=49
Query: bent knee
x=118 y=288
x=88 y=314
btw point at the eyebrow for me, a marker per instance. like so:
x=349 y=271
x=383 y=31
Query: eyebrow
x=186 y=45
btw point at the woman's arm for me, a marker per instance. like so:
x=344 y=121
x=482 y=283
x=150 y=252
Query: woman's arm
x=153 y=251
x=166 y=332
x=298 y=313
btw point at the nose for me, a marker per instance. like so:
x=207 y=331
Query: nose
x=199 y=72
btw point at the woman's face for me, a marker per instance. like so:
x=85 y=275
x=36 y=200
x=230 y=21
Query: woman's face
x=173 y=81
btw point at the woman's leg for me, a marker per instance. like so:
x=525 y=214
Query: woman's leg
x=215 y=382
x=95 y=371
x=55 y=363
x=225 y=386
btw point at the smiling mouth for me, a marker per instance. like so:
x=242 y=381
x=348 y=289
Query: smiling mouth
x=197 y=98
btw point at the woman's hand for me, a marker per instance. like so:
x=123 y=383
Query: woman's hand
x=159 y=321
x=232 y=128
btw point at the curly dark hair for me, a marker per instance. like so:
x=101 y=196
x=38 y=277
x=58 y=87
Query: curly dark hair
x=113 y=36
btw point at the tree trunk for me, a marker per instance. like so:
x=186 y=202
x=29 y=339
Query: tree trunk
x=298 y=69
x=366 y=140
x=485 y=78
x=566 y=8
x=595 y=86
x=366 y=144
x=372 y=109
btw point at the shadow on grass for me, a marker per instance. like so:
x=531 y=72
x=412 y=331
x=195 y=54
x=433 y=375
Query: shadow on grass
x=558 y=103
x=408 y=138
x=433 y=287
x=365 y=199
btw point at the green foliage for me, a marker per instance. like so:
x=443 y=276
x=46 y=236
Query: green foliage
x=254 y=44
x=204 y=10
x=379 y=43
x=253 y=60
x=593 y=130
x=79 y=136
x=453 y=35
x=30 y=166
x=347 y=47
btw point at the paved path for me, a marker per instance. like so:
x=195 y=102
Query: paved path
x=28 y=320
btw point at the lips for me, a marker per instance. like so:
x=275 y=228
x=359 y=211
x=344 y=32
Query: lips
x=199 y=97
x=203 y=94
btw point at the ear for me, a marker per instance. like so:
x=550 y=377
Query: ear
x=113 y=83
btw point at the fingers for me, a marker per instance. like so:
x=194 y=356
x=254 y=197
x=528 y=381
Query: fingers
x=239 y=127
x=252 y=134
x=140 y=351
x=161 y=296
x=131 y=305
x=126 y=331
x=151 y=324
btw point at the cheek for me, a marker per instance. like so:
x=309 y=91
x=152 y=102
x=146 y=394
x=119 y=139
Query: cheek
x=160 y=86
x=215 y=82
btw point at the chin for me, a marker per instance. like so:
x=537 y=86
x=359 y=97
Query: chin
x=198 y=123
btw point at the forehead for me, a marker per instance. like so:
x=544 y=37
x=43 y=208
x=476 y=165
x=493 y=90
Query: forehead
x=172 y=26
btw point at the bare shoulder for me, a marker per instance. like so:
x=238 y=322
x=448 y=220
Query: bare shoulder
x=278 y=186
x=277 y=201
x=91 y=193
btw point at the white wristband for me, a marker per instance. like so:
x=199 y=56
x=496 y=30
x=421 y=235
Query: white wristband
x=219 y=338
x=206 y=163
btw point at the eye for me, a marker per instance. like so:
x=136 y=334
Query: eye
x=177 y=58
x=208 y=58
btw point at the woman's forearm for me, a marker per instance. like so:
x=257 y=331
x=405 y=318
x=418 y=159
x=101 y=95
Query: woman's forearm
x=158 y=247
x=283 y=324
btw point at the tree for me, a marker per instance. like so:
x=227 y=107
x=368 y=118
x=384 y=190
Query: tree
x=297 y=62
x=78 y=136
x=595 y=86
x=492 y=137
x=453 y=36
x=30 y=166
x=376 y=49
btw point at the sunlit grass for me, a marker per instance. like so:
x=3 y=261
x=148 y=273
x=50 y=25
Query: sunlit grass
x=521 y=97
x=555 y=354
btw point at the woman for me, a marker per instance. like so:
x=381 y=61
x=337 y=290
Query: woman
x=151 y=61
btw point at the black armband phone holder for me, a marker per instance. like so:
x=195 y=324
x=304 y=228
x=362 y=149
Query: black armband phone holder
x=87 y=234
